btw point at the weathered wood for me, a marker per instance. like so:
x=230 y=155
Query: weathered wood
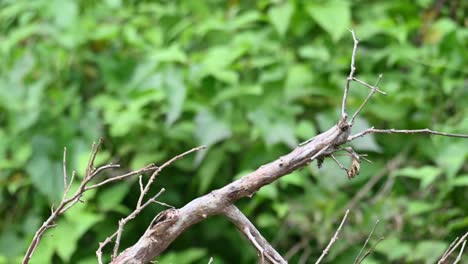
x=169 y=224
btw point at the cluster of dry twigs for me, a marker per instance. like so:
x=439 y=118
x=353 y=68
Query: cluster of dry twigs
x=85 y=185
x=169 y=224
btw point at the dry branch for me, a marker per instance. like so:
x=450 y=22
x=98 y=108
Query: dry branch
x=404 y=131
x=265 y=250
x=452 y=248
x=90 y=174
x=333 y=239
x=358 y=260
x=139 y=206
x=460 y=253
x=369 y=251
x=169 y=224
x=67 y=203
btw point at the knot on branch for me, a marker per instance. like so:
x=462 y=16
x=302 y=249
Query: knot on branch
x=165 y=217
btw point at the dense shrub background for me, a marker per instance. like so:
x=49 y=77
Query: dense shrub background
x=249 y=79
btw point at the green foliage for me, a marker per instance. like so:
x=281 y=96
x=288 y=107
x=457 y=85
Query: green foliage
x=249 y=79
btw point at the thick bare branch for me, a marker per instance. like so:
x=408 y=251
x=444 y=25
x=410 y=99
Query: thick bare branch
x=131 y=216
x=169 y=224
x=253 y=235
x=140 y=204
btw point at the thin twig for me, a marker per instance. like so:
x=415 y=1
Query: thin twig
x=164 y=204
x=374 y=88
x=447 y=254
x=103 y=168
x=94 y=150
x=369 y=86
x=260 y=249
x=211 y=260
x=356 y=261
x=159 y=169
x=450 y=247
x=460 y=253
x=124 y=221
x=67 y=203
x=140 y=205
x=147 y=168
x=319 y=153
x=140 y=182
x=350 y=77
x=370 y=250
x=372 y=130
x=339 y=163
x=333 y=239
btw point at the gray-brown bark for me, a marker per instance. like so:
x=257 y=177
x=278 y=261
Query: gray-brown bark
x=169 y=224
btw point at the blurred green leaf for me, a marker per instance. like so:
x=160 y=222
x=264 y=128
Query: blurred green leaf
x=47 y=177
x=176 y=91
x=314 y=52
x=63 y=238
x=171 y=54
x=427 y=174
x=451 y=158
x=418 y=207
x=393 y=248
x=209 y=168
x=333 y=16
x=184 y=257
x=231 y=93
x=364 y=143
x=294 y=178
x=428 y=251
x=298 y=81
x=10 y=245
x=249 y=80
x=280 y=16
x=269 y=192
x=305 y=130
x=461 y=180
x=111 y=197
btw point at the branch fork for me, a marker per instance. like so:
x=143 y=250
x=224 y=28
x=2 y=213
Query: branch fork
x=169 y=224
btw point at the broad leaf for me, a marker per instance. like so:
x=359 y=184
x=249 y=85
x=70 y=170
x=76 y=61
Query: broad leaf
x=280 y=16
x=333 y=16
